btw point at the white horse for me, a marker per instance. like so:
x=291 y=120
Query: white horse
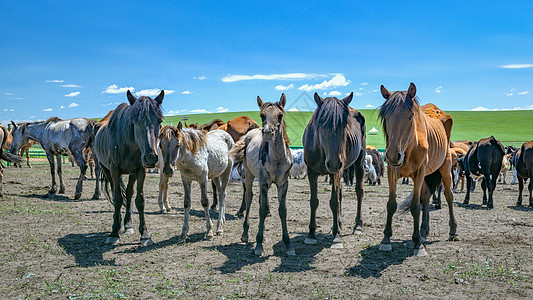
x=199 y=157
x=299 y=168
x=370 y=171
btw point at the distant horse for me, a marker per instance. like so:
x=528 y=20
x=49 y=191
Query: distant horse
x=215 y=124
x=5 y=156
x=200 y=157
x=523 y=162
x=417 y=145
x=126 y=144
x=267 y=156
x=23 y=149
x=484 y=158
x=58 y=137
x=299 y=169
x=334 y=140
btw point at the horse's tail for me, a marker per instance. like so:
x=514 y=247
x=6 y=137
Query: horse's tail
x=106 y=183
x=432 y=181
x=238 y=151
x=12 y=158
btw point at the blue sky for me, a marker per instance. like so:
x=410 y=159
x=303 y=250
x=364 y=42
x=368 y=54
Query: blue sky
x=74 y=58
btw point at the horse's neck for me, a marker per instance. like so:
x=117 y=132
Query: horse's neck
x=277 y=149
x=35 y=131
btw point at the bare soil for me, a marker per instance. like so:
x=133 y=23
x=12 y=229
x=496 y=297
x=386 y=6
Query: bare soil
x=53 y=247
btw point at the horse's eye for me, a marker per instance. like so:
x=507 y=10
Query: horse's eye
x=263 y=118
x=411 y=117
x=280 y=116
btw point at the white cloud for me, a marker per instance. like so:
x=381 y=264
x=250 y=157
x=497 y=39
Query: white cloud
x=288 y=76
x=200 y=111
x=517 y=66
x=152 y=92
x=175 y=112
x=114 y=89
x=481 y=108
x=523 y=93
x=11 y=109
x=70 y=85
x=73 y=104
x=200 y=77
x=358 y=94
x=334 y=93
x=187 y=92
x=16 y=98
x=73 y=94
x=369 y=106
x=284 y=87
x=438 y=89
x=47 y=109
x=364 y=83
x=110 y=103
x=293 y=109
x=222 y=109
x=8 y=94
x=54 y=80
x=61 y=107
x=336 y=81
x=509 y=94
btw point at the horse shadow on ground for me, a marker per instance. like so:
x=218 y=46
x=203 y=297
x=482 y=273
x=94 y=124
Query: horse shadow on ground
x=54 y=197
x=520 y=207
x=472 y=206
x=87 y=249
x=195 y=213
x=192 y=238
x=240 y=255
x=374 y=262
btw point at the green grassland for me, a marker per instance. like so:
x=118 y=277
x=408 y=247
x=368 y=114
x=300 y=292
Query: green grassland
x=510 y=127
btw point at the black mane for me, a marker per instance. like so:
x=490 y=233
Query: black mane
x=332 y=114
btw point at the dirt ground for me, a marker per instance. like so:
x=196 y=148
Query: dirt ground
x=53 y=247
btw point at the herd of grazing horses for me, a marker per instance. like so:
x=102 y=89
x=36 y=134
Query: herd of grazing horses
x=130 y=139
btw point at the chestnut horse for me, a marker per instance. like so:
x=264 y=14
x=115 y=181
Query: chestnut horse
x=417 y=145
x=333 y=141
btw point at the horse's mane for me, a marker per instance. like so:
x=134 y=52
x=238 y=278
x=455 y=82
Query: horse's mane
x=218 y=122
x=332 y=114
x=397 y=101
x=285 y=136
x=192 y=139
x=53 y=120
x=167 y=131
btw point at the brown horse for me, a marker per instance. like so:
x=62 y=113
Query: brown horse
x=334 y=140
x=215 y=124
x=5 y=155
x=417 y=145
x=24 y=149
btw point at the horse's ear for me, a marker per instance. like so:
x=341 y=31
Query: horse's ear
x=318 y=99
x=159 y=98
x=186 y=126
x=259 y=102
x=348 y=98
x=385 y=93
x=412 y=90
x=131 y=98
x=282 y=100
x=179 y=126
x=14 y=125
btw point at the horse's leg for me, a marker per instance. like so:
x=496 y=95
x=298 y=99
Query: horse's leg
x=530 y=187
x=1 y=179
x=205 y=205
x=186 y=207
x=51 y=161
x=80 y=161
x=437 y=199
x=282 y=209
x=311 y=236
x=60 y=174
x=163 y=193
x=484 y=187
x=128 y=228
x=240 y=213
x=264 y=186
x=385 y=244
x=27 y=157
x=248 y=182
x=424 y=200
x=418 y=182
x=335 y=205
x=223 y=184
x=520 y=190
x=360 y=192
x=117 y=201
x=468 y=187
x=146 y=239
x=215 y=196
x=97 y=170
x=448 y=194
x=492 y=187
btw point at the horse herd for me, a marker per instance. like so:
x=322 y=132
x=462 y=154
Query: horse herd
x=130 y=140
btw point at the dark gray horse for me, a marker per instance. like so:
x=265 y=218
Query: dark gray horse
x=58 y=137
x=334 y=140
x=127 y=145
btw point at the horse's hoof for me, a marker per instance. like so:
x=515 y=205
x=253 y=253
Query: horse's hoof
x=52 y=191
x=209 y=235
x=244 y=239
x=258 y=251
x=423 y=239
x=61 y=191
x=453 y=238
x=310 y=241
x=77 y=196
x=112 y=240
x=385 y=247
x=420 y=252
x=337 y=245
x=95 y=197
x=358 y=230
x=182 y=238
x=438 y=206
x=147 y=242
x=490 y=206
x=291 y=252
x=129 y=231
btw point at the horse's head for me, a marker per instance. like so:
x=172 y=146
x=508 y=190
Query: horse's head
x=272 y=116
x=367 y=163
x=331 y=118
x=399 y=114
x=460 y=160
x=147 y=120
x=169 y=142
x=19 y=139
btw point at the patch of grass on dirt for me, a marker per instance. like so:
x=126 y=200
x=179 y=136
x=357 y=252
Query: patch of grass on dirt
x=28 y=209
x=468 y=272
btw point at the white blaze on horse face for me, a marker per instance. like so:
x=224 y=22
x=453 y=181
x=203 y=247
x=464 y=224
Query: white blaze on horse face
x=145 y=138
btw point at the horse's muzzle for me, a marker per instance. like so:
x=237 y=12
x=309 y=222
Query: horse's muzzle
x=149 y=160
x=396 y=160
x=333 y=167
x=168 y=171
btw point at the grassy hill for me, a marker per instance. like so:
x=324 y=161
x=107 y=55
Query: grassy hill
x=510 y=127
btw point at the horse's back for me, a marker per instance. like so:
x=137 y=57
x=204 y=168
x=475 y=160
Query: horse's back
x=434 y=112
x=218 y=144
